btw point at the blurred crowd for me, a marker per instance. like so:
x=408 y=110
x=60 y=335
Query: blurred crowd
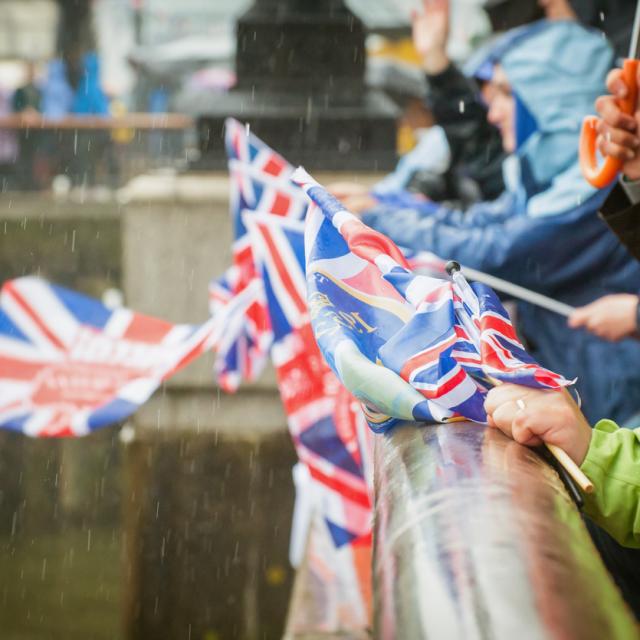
x=31 y=158
x=45 y=143
x=494 y=182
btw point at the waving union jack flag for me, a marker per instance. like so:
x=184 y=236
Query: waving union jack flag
x=259 y=180
x=69 y=365
x=324 y=423
x=410 y=347
x=327 y=427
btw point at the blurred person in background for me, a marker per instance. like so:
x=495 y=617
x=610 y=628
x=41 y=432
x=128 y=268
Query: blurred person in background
x=454 y=95
x=458 y=155
x=57 y=94
x=95 y=158
x=27 y=97
x=458 y=158
x=26 y=101
x=544 y=233
x=8 y=144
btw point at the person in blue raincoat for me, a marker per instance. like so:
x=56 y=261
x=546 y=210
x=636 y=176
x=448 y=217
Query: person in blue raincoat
x=89 y=98
x=544 y=232
x=57 y=94
x=95 y=154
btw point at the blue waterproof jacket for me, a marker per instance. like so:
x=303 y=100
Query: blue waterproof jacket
x=544 y=232
x=89 y=98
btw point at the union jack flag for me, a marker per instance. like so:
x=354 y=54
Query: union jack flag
x=69 y=365
x=440 y=344
x=324 y=421
x=259 y=179
x=244 y=146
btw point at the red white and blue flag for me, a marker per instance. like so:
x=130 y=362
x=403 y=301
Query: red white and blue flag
x=325 y=423
x=410 y=347
x=69 y=365
x=259 y=180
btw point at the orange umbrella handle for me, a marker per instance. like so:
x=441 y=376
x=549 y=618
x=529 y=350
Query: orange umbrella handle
x=603 y=176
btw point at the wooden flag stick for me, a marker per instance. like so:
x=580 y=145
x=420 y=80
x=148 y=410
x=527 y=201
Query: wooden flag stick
x=571 y=467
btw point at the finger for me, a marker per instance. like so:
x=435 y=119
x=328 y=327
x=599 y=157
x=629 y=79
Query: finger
x=521 y=429
x=613 y=150
x=579 y=317
x=533 y=441
x=501 y=394
x=619 y=136
x=611 y=113
x=615 y=84
x=503 y=417
x=613 y=78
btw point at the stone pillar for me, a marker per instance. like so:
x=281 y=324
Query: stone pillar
x=209 y=495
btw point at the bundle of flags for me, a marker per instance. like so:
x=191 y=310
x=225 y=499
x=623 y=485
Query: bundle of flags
x=71 y=365
x=410 y=347
x=326 y=424
x=321 y=416
x=259 y=180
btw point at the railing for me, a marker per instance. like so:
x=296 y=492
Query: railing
x=146 y=121
x=476 y=537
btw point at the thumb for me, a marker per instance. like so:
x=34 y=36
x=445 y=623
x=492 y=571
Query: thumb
x=579 y=317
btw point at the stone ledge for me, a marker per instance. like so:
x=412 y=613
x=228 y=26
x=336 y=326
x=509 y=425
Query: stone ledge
x=174 y=413
x=209 y=187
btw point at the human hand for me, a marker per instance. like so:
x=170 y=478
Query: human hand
x=359 y=203
x=611 y=317
x=617 y=131
x=430 y=30
x=532 y=416
x=342 y=190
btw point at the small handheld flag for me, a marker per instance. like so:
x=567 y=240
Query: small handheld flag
x=69 y=365
x=410 y=347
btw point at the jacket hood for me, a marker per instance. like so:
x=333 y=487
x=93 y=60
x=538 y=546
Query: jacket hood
x=557 y=72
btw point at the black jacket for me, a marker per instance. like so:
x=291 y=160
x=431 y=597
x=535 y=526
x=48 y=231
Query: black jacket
x=614 y=17
x=623 y=218
x=476 y=146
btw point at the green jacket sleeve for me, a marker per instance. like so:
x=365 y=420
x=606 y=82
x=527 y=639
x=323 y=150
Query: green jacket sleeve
x=613 y=465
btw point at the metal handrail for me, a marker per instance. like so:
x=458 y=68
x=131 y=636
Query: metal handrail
x=475 y=537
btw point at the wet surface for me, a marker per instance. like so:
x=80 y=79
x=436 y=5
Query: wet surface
x=477 y=538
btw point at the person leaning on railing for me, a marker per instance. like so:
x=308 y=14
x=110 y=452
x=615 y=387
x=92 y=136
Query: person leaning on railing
x=609 y=455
